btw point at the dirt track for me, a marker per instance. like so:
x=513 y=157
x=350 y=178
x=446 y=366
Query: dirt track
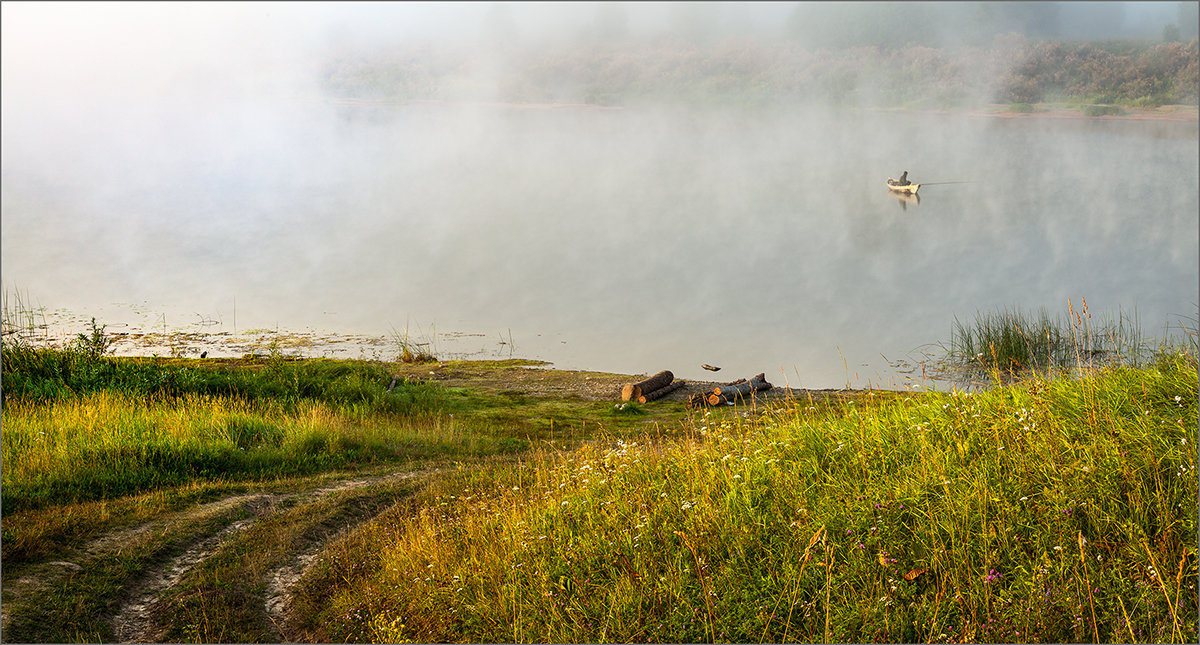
x=140 y=612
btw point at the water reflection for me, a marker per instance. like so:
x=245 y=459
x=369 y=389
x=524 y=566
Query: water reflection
x=628 y=240
x=905 y=199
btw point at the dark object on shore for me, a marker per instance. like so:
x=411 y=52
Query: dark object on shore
x=204 y=354
x=654 y=395
x=701 y=398
x=737 y=391
x=634 y=391
x=710 y=367
x=395 y=377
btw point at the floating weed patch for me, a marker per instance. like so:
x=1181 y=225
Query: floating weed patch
x=1056 y=509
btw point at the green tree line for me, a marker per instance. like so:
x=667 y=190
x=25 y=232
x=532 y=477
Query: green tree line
x=1009 y=69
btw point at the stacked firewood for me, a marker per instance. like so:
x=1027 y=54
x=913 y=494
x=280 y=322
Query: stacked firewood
x=731 y=393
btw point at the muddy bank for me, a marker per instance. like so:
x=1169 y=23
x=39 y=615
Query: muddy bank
x=534 y=378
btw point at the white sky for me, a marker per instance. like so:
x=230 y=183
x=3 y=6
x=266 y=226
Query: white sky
x=149 y=40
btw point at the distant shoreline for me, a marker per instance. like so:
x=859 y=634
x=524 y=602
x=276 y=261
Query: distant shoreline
x=1166 y=113
x=1179 y=113
x=1172 y=113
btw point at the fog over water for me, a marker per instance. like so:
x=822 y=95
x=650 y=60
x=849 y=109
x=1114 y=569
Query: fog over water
x=199 y=165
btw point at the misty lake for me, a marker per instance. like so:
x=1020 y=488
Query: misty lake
x=628 y=240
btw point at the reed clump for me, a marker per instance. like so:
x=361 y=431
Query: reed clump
x=1014 y=342
x=1057 y=509
x=409 y=350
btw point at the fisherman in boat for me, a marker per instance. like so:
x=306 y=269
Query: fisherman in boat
x=904 y=179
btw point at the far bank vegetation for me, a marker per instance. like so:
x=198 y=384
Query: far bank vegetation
x=1007 y=69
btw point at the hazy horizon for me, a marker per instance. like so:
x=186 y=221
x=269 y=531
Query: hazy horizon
x=187 y=156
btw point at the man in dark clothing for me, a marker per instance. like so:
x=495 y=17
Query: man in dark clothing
x=903 y=179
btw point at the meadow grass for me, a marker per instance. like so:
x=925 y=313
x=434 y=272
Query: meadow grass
x=106 y=445
x=44 y=374
x=80 y=426
x=1061 y=507
x=1055 y=509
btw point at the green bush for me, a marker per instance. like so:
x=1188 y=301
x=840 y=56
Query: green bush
x=1103 y=110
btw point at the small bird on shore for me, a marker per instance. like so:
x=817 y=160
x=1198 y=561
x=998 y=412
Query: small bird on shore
x=204 y=354
x=710 y=367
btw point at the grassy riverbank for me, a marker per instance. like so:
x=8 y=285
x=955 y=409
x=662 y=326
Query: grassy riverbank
x=1055 y=508
x=80 y=428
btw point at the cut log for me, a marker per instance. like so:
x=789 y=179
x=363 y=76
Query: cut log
x=395 y=377
x=716 y=399
x=726 y=393
x=633 y=391
x=696 y=400
x=759 y=382
x=654 y=395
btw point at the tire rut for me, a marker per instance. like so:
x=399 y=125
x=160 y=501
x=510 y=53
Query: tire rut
x=135 y=620
x=41 y=577
x=281 y=580
x=137 y=617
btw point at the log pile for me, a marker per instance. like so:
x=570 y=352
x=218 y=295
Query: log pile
x=731 y=393
x=664 y=383
x=698 y=399
x=637 y=391
x=654 y=395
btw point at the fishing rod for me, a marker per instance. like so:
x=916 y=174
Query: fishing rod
x=940 y=183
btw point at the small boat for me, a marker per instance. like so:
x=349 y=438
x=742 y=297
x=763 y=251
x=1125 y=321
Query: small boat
x=911 y=189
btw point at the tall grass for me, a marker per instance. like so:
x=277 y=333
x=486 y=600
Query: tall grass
x=47 y=374
x=1057 y=509
x=111 y=444
x=1016 y=342
x=80 y=426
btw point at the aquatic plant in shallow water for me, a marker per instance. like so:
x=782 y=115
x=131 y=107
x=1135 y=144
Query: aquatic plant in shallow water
x=412 y=351
x=1014 y=342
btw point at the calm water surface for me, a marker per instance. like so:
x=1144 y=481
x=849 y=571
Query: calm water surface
x=627 y=240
